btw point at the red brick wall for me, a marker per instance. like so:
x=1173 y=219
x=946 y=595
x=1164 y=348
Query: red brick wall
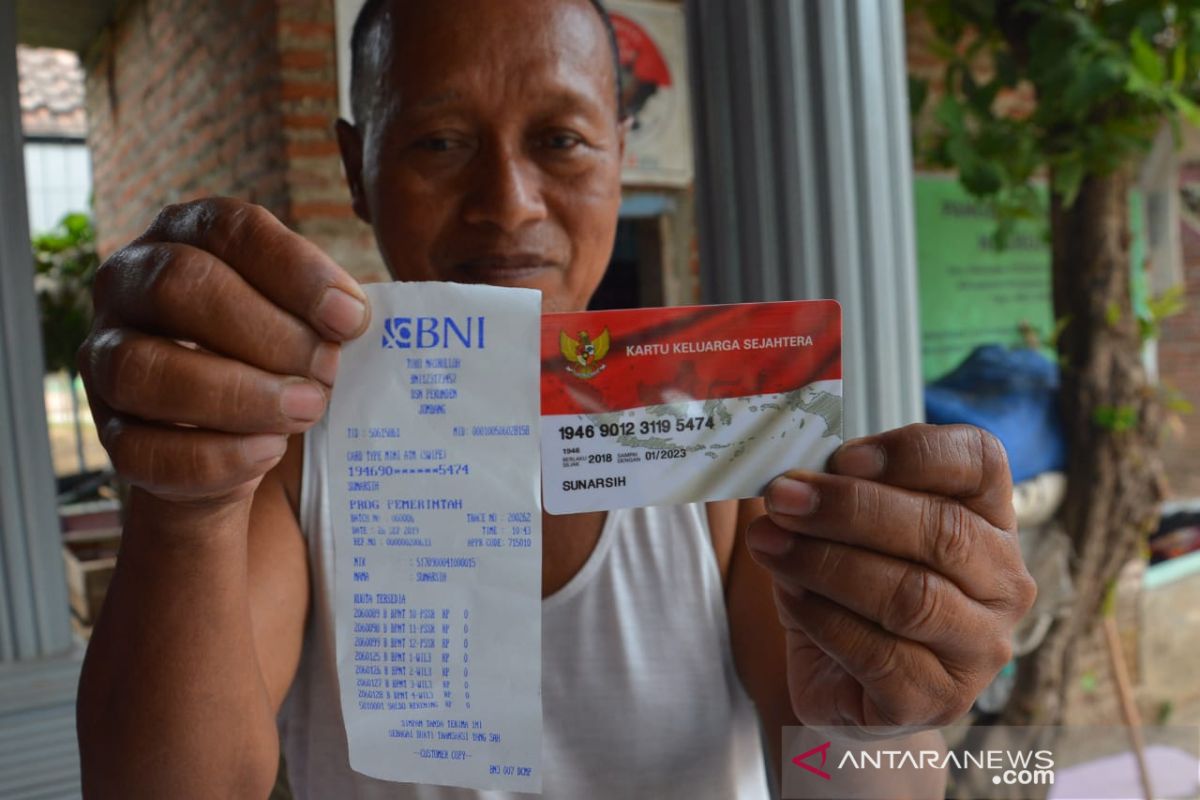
x=319 y=202
x=1179 y=362
x=189 y=98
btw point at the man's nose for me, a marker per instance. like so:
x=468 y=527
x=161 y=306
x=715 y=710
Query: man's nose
x=506 y=192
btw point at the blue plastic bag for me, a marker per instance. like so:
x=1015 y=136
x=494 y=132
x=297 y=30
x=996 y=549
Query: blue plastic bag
x=1014 y=395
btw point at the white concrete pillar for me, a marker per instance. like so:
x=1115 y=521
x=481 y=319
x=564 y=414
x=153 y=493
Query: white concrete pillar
x=804 y=185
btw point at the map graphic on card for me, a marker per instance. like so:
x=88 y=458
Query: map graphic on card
x=676 y=405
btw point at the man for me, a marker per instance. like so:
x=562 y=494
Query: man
x=487 y=148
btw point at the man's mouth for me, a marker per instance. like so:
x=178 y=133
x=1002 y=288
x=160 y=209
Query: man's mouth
x=503 y=268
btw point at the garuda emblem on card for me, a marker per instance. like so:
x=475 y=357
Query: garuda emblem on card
x=585 y=354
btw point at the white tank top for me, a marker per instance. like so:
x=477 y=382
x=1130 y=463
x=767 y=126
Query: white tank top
x=640 y=696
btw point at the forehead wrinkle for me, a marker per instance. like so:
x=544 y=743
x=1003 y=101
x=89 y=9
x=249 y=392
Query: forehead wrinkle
x=440 y=99
x=568 y=49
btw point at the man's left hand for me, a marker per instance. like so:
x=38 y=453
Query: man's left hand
x=898 y=576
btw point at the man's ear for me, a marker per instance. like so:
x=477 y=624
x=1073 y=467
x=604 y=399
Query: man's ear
x=351 y=146
x=623 y=129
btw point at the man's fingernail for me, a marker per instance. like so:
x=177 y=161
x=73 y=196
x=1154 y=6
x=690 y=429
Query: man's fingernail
x=341 y=313
x=325 y=363
x=791 y=497
x=302 y=401
x=264 y=448
x=771 y=541
x=860 y=461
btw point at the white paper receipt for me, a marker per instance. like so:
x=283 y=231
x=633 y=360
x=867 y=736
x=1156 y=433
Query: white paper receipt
x=435 y=501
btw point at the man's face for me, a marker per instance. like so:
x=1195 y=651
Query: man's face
x=494 y=151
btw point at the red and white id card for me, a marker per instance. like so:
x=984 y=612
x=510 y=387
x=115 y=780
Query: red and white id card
x=665 y=406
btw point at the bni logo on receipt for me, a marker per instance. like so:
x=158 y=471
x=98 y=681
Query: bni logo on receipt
x=426 y=333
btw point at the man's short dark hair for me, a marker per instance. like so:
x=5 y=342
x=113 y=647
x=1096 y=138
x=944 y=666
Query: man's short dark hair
x=369 y=14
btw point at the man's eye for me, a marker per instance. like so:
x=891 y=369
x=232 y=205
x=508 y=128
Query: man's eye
x=438 y=144
x=563 y=141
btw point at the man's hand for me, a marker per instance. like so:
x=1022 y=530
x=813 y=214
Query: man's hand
x=898 y=576
x=217 y=334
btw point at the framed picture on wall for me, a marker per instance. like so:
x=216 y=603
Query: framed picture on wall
x=651 y=38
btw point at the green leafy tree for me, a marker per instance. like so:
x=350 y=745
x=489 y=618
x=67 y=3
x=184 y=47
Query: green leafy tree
x=1104 y=78
x=65 y=262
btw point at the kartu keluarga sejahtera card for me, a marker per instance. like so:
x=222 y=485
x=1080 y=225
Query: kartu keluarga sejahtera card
x=665 y=406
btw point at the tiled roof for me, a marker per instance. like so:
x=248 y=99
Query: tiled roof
x=51 y=86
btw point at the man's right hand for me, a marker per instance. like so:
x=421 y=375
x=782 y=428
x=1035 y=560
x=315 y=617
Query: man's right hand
x=216 y=335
